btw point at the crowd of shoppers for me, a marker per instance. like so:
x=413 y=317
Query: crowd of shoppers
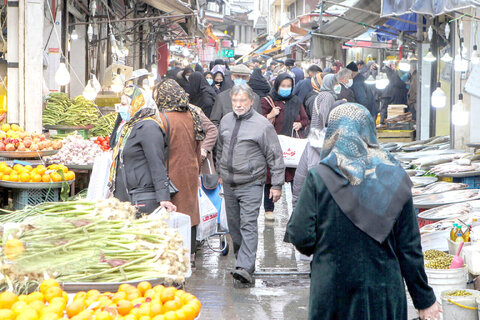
x=227 y=118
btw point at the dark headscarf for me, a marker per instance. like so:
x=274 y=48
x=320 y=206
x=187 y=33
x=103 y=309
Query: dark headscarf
x=366 y=181
x=169 y=96
x=182 y=80
x=292 y=104
x=198 y=67
x=258 y=83
x=199 y=90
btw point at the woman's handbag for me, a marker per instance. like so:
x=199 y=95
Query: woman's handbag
x=210 y=181
x=272 y=104
x=292 y=149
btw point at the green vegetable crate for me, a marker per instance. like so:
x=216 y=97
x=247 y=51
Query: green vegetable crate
x=31 y=197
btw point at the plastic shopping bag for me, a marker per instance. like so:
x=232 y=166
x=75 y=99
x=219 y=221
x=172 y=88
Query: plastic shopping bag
x=292 y=150
x=208 y=216
x=98 y=185
x=216 y=197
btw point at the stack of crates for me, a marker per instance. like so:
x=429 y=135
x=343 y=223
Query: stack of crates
x=32 y=197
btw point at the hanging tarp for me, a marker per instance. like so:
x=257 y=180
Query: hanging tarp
x=385 y=33
x=426 y=7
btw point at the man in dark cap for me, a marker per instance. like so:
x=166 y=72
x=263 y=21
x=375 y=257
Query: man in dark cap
x=299 y=74
x=363 y=95
x=269 y=72
x=256 y=63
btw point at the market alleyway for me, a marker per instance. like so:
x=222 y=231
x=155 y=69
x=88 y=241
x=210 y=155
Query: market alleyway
x=274 y=297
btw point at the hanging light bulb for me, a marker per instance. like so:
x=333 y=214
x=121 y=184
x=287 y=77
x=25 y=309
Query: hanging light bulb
x=475 y=56
x=382 y=81
x=446 y=57
x=447 y=30
x=439 y=98
x=93 y=8
x=74 y=35
x=154 y=69
x=370 y=80
x=430 y=33
x=62 y=76
x=460 y=114
x=69 y=46
x=404 y=65
x=117 y=84
x=89 y=91
x=429 y=57
x=460 y=64
x=90 y=33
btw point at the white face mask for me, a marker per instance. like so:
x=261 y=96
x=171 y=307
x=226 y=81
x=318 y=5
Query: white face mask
x=349 y=83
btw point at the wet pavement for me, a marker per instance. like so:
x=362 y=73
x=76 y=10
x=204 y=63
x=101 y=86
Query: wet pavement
x=281 y=289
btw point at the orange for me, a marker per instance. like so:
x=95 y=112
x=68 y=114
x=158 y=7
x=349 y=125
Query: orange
x=63 y=168
x=159 y=288
x=28 y=168
x=33 y=297
x=7 y=299
x=6 y=177
x=138 y=301
x=37 y=305
x=46 y=178
x=144 y=309
x=37 y=178
x=159 y=317
x=93 y=293
x=167 y=294
x=124 y=307
x=156 y=308
x=51 y=309
x=22 y=297
x=125 y=287
x=170 y=315
x=41 y=169
x=143 y=287
x=181 y=314
x=102 y=315
x=145 y=318
x=17 y=167
x=49 y=316
x=150 y=293
x=53 y=292
x=197 y=305
x=119 y=296
x=75 y=308
x=80 y=295
x=7 y=314
x=28 y=314
x=190 y=312
x=59 y=301
x=24 y=177
x=132 y=295
x=7 y=170
x=130 y=317
x=171 y=305
x=56 y=177
x=19 y=306
x=14 y=178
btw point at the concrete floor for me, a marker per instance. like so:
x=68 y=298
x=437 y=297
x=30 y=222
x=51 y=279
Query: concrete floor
x=274 y=297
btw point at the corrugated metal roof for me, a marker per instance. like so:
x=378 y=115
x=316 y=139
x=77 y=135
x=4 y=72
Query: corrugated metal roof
x=349 y=24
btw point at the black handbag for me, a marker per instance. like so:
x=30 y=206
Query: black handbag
x=171 y=187
x=210 y=181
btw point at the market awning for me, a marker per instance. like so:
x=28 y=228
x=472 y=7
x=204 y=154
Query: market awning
x=427 y=7
x=384 y=34
x=170 y=6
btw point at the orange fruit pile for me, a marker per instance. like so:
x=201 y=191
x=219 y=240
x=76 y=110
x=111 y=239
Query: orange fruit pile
x=128 y=303
x=20 y=173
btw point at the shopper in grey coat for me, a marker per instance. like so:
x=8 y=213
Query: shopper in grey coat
x=247 y=144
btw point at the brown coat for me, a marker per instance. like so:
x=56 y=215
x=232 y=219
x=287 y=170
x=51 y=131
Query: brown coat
x=211 y=134
x=184 y=163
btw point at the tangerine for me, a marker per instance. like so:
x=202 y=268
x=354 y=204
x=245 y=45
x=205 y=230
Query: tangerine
x=75 y=308
x=53 y=292
x=167 y=294
x=7 y=299
x=24 y=177
x=143 y=287
x=49 y=316
x=190 y=312
x=46 y=178
x=28 y=168
x=56 y=177
x=124 y=307
x=171 y=305
x=170 y=315
x=7 y=314
x=14 y=178
x=37 y=178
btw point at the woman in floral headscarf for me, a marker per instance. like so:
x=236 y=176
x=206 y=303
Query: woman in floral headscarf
x=138 y=172
x=183 y=126
x=360 y=195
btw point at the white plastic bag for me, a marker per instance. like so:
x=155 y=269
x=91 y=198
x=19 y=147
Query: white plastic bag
x=208 y=216
x=98 y=185
x=292 y=150
x=223 y=216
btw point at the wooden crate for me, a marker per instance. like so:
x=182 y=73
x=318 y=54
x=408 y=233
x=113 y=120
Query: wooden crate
x=396 y=135
x=396 y=110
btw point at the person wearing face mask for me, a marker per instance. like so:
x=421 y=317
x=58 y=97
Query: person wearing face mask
x=324 y=100
x=201 y=93
x=183 y=77
x=247 y=145
x=209 y=77
x=258 y=83
x=344 y=78
x=221 y=81
x=287 y=114
x=363 y=94
x=223 y=103
x=138 y=174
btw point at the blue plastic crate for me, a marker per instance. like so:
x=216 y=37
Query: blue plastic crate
x=472 y=182
x=32 y=197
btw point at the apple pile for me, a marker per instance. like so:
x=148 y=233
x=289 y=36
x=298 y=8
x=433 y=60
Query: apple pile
x=14 y=138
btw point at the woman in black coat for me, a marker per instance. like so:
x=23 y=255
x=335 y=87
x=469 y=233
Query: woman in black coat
x=355 y=215
x=183 y=77
x=201 y=93
x=138 y=173
x=258 y=83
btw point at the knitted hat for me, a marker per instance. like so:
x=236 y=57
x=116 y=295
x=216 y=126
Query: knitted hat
x=352 y=66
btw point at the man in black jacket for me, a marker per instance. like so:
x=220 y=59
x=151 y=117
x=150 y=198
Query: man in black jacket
x=304 y=87
x=363 y=94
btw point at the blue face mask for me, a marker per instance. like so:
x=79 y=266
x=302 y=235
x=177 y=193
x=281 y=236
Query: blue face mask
x=210 y=81
x=239 y=81
x=123 y=111
x=285 y=92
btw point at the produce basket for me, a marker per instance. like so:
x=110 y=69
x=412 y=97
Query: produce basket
x=65 y=130
x=33 y=185
x=31 y=197
x=27 y=154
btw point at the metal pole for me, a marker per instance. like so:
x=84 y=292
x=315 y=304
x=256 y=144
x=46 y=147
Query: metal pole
x=419 y=73
x=63 y=45
x=136 y=19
